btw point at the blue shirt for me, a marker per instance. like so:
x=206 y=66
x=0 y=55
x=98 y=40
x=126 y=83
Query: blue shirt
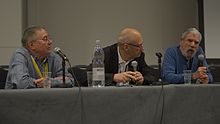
x=22 y=72
x=174 y=63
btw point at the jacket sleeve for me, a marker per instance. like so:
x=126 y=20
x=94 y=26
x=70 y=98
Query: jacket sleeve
x=169 y=68
x=18 y=75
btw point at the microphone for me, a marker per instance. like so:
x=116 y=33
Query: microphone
x=159 y=54
x=63 y=56
x=201 y=58
x=60 y=53
x=134 y=65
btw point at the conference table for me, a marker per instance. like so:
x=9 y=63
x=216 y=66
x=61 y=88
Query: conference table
x=170 y=104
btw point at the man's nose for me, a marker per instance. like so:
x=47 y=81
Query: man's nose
x=142 y=48
x=50 y=41
x=192 y=44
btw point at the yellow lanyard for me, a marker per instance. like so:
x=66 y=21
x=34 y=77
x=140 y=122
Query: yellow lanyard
x=37 y=68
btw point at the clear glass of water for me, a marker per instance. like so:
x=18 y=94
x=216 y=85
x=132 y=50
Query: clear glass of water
x=187 y=76
x=47 y=79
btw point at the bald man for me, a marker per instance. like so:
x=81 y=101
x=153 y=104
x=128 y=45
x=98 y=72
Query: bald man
x=118 y=59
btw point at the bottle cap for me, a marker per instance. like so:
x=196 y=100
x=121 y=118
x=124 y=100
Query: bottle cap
x=97 y=41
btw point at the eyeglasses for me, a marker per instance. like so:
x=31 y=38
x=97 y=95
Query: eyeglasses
x=139 y=46
x=46 y=39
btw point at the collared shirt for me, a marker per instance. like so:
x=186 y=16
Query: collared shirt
x=22 y=72
x=122 y=65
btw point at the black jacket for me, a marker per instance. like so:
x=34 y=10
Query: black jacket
x=111 y=66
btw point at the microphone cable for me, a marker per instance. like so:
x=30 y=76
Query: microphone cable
x=163 y=102
x=79 y=95
x=74 y=76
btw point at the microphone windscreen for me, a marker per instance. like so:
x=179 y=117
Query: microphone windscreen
x=134 y=63
x=201 y=57
x=56 y=49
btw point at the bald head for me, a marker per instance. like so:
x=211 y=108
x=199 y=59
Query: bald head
x=129 y=35
x=130 y=44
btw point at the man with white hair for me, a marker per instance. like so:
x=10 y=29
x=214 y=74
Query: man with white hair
x=185 y=57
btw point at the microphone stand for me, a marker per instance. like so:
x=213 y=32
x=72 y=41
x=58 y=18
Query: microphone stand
x=159 y=55
x=63 y=66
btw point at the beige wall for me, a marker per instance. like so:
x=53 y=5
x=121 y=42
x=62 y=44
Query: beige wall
x=10 y=28
x=74 y=25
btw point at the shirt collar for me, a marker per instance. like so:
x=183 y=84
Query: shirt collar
x=120 y=60
x=37 y=60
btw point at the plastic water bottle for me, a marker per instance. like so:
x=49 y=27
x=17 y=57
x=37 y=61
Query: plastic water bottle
x=98 y=70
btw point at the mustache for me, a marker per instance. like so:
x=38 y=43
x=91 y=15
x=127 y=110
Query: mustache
x=190 y=50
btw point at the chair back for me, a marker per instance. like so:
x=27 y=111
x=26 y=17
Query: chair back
x=3 y=75
x=215 y=71
x=80 y=72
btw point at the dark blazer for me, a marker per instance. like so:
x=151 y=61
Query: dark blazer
x=111 y=66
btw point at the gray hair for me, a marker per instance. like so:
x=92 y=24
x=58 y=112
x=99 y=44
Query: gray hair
x=191 y=31
x=29 y=34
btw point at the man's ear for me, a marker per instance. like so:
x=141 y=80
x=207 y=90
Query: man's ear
x=181 y=41
x=31 y=45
